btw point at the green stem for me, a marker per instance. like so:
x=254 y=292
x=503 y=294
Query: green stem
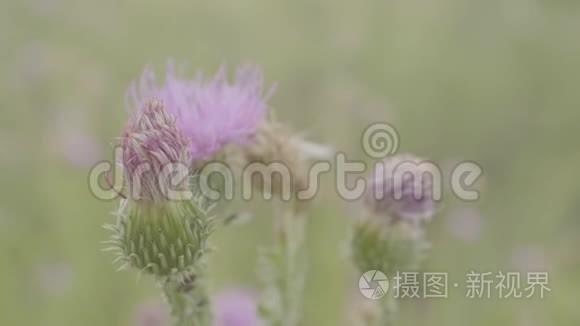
x=287 y=284
x=291 y=242
x=189 y=301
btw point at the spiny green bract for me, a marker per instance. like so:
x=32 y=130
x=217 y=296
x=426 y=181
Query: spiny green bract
x=400 y=247
x=167 y=240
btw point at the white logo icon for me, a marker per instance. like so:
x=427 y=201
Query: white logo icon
x=380 y=140
x=373 y=284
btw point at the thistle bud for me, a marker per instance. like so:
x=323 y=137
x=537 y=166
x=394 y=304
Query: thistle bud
x=399 y=195
x=400 y=247
x=401 y=188
x=273 y=142
x=153 y=233
x=152 y=148
x=164 y=240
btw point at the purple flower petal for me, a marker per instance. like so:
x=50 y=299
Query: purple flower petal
x=211 y=112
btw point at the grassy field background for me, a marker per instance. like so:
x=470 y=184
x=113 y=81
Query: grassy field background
x=492 y=81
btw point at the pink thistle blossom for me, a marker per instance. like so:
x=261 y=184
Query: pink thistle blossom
x=212 y=113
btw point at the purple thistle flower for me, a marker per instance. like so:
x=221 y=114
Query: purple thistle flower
x=212 y=112
x=235 y=307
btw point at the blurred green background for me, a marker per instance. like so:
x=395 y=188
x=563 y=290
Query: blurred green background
x=492 y=81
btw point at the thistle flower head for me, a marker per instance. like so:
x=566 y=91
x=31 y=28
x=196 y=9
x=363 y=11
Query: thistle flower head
x=211 y=113
x=154 y=233
x=167 y=240
x=273 y=142
x=399 y=195
x=150 y=143
x=401 y=188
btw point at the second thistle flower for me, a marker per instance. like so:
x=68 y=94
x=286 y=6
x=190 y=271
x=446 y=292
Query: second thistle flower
x=390 y=237
x=154 y=233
